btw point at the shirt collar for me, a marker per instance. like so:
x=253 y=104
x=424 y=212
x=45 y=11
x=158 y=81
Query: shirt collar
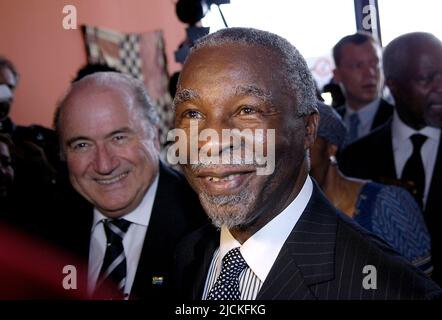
x=366 y=113
x=268 y=241
x=402 y=132
x=141 y=214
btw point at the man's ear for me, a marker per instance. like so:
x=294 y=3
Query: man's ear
x=392 y=85
x=332 y=149
x=337 y=75
x=311 y=127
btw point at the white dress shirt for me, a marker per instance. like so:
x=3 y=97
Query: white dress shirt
x=403 y=148
x=133 y=240
x=366 y=116
x=261 y=249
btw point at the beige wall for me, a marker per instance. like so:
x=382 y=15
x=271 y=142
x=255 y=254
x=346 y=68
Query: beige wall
x=48 y=56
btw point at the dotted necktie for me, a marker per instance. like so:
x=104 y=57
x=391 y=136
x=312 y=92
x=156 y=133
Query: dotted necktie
x=414 y=171
x=114 y=262
x=353 y=131
x=226 y=286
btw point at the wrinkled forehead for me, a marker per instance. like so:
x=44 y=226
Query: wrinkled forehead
x=97 y=105
x=85 y=94
x=359 y=50
x=422 y=59
x=241 y=68
x=7 y=77
x=245 y=58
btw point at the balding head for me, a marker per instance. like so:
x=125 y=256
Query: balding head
x=413 y=72
x=402 y=50
x=133 y=90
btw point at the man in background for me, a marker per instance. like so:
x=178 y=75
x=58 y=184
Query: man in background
x=109 y=139
x=358 y=71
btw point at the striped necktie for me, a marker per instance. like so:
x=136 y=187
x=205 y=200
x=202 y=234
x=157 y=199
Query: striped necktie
x=114 y=263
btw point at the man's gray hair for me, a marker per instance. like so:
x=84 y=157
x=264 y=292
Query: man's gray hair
x=112 y=80
x=297 y=76
x=400 y=49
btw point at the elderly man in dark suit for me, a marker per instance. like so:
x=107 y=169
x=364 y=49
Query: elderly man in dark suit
x=274 y=234
x=407 y=150
x=109 y=139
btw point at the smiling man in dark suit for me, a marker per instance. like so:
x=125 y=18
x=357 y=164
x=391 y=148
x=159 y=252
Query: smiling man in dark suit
x=408 y=150
x=109 y=139
x=274 y=235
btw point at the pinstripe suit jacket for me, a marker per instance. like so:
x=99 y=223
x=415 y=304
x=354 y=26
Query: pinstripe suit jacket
x=323 y=258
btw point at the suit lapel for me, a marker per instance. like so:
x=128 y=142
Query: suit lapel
x=200 y=257
x=434 y=198
x=285 y=280
x=204 y=254
x=433 y=216
x=385 y=111
x=153 y=246
x=167 y=224
x=307 y=257
x=385 y=168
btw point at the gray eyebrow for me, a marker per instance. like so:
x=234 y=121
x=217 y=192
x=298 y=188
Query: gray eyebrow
x=253 y=90
x=184 y=95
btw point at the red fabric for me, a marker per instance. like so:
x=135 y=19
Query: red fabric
x=33 y=269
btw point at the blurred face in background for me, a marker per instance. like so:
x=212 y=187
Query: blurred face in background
x=359 y=73
x=418 y=89
x=6 y=170
x=7 y=79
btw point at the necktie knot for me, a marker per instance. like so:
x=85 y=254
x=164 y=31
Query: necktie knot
x=115 y=229
x=354 y=119
x=418 y=140
x=226 y=286
x=233 y=263
x=353 y=132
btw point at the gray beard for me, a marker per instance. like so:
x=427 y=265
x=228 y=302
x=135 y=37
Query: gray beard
x=229 y=211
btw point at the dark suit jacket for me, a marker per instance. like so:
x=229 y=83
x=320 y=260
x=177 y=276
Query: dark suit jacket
x=372 y=158
x=176 y=211
x=323 y=258
x=384 y=113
